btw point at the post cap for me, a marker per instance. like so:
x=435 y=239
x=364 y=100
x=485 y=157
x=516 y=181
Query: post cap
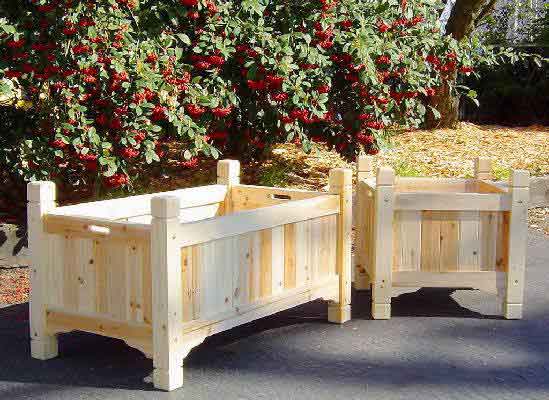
x=40 y=191
x=519 y=178
x=228 y=168
x=483 y=168
x=365 y=163
x=341 y=177
x=165 y=207
x=385 y=176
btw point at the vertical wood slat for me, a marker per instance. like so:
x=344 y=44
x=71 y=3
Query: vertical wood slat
x=502 y=246
x=266 y=280
x=407 y=241
x=469 y=241
x=303 y=243
x=277 y=257
x=430 y=242
x=449 y=236
x=147 y=283
x=70 y=273
x=86 y=276
x=99 y=257
x=187 y=270
x=290 y=256
x=488 y=235
x=243 y=271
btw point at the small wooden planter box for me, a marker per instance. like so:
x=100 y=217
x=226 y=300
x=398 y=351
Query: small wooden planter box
x=457 y=233
x=163 y=272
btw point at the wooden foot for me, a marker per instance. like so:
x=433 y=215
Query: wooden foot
x=381 y=311
x=512 y=311
x=339 y=315
x=362 y=280
x=168 y=380
x=44 y=348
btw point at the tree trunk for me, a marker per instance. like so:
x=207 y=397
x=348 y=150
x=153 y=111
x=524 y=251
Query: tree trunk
x=447 y=104
x=465 y=15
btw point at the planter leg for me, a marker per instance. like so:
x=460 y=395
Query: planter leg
x=44 y=348
x=167 y=294
x=41 y=198
x=382 y=285
x=518 y=232
x=168 y=379
x=381 y=311
x=341 y=181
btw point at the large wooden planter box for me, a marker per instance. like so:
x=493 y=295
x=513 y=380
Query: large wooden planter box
x=456 y=233
x=163 y=272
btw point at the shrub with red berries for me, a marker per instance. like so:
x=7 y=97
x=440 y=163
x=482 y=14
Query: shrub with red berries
x=109 y=83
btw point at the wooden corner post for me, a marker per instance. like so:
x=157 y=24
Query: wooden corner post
x=483 y=168
x=341 y=182
x=383 y=249
x=167 y=299
x=228 y=173
x=41 y=200
x=517 y=241
x=365 y=170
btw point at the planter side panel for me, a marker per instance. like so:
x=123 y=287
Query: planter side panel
x=223 y=276
x=450 y=241
x=111 y=278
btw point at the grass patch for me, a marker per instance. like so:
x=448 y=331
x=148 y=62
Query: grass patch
x=405 y=169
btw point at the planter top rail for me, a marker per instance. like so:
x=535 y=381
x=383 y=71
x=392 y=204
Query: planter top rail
x=254 y=208
x=443 y=194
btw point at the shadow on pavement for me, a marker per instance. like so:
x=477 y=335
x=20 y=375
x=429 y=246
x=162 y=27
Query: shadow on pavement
x=95 y=361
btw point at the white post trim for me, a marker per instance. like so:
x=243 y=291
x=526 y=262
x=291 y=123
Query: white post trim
x=517 y=242
x=167 y=299
x=341 y=182
x=383 y=239
x=41 y=200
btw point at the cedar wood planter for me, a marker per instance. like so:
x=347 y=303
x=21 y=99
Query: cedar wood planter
x=163 y=272
x=456 y=233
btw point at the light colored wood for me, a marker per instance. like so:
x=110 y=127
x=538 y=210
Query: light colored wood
x=407 y=241
x=166 y=294
x=452 y=201
x=365 y=170
x=488 y=240
x=430 y=242
x=95 y=228
x=469 y=241
x=443 y=185
x=186 y=215
x=243 y=222
x=247 y=197
x=383 y=249
x=488 y=187
x=449 y=236
x=517 y=240
x=136 y=335
x=135 y=206
x=228 y=174
x=303 y=259
x=341 y=183
x=277 y=257
x=488 y=281
x=483 y=168
x=446 y=233
x=290 y=256
x=41 y=201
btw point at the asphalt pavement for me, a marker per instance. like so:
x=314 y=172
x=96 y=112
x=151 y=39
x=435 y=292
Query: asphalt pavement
x=440 y=344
